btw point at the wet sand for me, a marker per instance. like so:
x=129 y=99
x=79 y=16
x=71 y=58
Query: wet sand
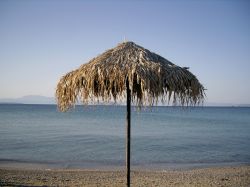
x=217 y=177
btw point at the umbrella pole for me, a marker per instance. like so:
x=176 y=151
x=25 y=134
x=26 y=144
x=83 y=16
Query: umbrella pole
x=128 y=133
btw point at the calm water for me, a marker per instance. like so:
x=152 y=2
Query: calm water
x=94 y=136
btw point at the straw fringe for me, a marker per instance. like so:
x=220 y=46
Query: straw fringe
x=151 y=77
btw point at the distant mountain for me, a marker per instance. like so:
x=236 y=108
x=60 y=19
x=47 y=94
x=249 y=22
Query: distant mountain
x=226 y=104
x=244 y=105
x=218 y=104
x=29 y=99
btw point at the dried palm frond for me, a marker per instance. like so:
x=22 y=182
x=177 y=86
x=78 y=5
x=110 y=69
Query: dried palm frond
x=150 y=76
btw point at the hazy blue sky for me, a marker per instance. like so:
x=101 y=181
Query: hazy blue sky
x=42 y=40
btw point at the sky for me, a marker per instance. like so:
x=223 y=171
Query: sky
x=42 y=40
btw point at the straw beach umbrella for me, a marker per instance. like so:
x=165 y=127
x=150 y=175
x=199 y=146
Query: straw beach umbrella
x=132 y=72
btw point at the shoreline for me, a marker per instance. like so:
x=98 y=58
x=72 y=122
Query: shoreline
x=102 y=165
x=22 y=165
x=215 y=176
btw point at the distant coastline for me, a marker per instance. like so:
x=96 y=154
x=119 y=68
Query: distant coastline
x=29 y=99
x=122 y=105
x=38 y=99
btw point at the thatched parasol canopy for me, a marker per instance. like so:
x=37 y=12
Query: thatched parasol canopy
x=150 y=78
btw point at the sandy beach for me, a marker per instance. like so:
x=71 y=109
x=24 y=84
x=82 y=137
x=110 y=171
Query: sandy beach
x=226 y=176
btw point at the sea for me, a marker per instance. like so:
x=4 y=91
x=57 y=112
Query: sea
x=93 y=137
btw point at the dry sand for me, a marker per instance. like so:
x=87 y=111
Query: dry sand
x=217 y=177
